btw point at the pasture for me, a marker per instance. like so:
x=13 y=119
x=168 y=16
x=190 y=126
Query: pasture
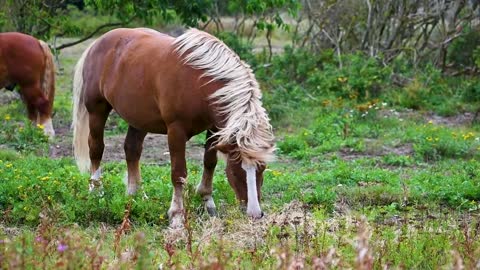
x=362 y=180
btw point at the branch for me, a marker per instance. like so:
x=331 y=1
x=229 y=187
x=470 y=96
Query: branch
x=63 y=46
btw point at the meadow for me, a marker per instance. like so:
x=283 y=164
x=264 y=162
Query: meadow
x=371 y=174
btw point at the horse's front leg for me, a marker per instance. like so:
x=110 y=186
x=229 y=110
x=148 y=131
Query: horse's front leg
x=176 y=144
x=37 y=107
x=133 y=147
x=205 y=188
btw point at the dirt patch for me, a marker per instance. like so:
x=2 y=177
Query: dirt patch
x=250 y=233
x=155 y=148
x=464 y=119
x=372 y=152
x=7 y=97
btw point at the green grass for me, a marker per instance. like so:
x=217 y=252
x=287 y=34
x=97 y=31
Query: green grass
x=355 y=172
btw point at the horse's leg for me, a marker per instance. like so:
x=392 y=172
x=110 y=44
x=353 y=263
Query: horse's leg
x=37 y=107
x=34 y=99
x=176 y=144
x=97 y=119
x=205 y=188
x=133 y=150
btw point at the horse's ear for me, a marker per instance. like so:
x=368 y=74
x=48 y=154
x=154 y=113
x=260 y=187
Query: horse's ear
x=224 y=148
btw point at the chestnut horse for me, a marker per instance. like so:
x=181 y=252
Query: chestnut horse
x=179 y=87
x=28 y=62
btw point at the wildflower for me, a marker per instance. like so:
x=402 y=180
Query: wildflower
x=62 y=247
x=276 y=173
x=430 y=122
x=7 y=117
x=429 y=139
x=49 y=198
x=45 y=178
x=40 y=126
x=39 y=239
x=342 y=79
x=8 y=165
x=437 y=139
x=468 y=135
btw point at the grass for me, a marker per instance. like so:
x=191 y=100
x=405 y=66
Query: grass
x=360 y=183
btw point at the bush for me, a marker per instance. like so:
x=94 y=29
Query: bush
x=462 y=50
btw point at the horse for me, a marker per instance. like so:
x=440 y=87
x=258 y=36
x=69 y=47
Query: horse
x=28 y=62
x=179 y=87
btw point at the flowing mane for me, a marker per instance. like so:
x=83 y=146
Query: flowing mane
x=247 y=123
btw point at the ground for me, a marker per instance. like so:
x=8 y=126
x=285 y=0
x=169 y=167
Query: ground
x=398 y=188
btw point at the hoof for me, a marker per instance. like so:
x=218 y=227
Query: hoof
x=212 y=211
x=96 y=186
x=177 y=221
x=255 y=214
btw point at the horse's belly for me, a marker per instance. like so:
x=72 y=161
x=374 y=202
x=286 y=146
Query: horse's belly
x=142 y=117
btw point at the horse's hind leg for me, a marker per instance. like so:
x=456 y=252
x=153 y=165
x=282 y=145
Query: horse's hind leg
x=205 y=188
x=176 y=144
x=133 y=150
x=97 y=118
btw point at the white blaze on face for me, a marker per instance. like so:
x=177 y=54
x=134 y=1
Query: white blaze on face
x=253 y=206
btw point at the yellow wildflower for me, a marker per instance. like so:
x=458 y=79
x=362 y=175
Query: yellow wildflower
x=342 y=79
x=276 y=173
x=9 y=165
x=45 y=178
x=7 y=117
x=429 y=139
x=40 y=126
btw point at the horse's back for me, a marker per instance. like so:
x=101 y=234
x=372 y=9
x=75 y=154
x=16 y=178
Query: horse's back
x=21 y=58
x=124 y=67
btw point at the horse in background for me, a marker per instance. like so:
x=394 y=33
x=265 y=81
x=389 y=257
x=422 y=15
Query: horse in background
x=28 y=62
x=179 y=87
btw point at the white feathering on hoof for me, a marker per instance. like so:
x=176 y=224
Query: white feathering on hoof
x=247 y=123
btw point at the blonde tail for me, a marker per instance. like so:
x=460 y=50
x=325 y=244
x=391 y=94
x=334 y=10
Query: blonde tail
x=80 y=123
x=48 y=86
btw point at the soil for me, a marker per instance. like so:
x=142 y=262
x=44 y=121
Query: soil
x=155 y=148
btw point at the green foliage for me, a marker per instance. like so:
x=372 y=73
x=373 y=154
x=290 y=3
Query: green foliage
x=239 y=46
x=268 y=11
x=434 y=143
x=42 y=18
x=23 y=137
x=190 y=12
x=463 y=51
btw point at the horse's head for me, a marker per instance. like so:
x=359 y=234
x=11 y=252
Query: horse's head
x=246 y=181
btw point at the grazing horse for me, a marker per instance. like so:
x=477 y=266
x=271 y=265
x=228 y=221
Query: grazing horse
x=179 y=87
x=28 y=62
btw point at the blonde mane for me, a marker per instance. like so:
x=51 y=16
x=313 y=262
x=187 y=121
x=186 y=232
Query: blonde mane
x=247 y=124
